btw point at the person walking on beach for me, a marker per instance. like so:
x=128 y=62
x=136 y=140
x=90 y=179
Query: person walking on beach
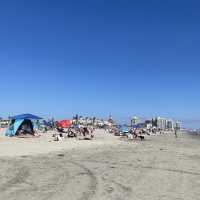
x=176 y=130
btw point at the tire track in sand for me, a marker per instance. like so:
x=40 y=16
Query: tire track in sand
x=92 y=187
x=20 y=176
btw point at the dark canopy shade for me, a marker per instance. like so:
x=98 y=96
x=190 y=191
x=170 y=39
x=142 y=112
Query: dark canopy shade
x=26 y=116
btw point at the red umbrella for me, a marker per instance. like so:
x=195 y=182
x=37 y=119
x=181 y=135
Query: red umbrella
x=64 y=123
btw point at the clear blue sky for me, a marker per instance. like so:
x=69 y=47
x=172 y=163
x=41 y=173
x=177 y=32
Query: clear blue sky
x=96 y=57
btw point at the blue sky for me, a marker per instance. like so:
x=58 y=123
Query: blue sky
x=95 y=57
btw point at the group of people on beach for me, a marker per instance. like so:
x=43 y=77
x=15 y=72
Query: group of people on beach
x=77 y=131
x=137 y=133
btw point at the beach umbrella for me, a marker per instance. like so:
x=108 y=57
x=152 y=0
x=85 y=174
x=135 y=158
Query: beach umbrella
x=64 y=123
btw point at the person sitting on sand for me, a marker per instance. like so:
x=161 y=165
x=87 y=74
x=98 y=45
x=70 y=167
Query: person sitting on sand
x=85 y=131
x=72 y=132
x=60 y=129
x=132 y=133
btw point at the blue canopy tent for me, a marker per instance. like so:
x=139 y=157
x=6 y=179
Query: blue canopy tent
x=18 y=120
x=26 y=116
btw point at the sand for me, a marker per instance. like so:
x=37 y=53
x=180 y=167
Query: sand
x=107 y=168
x=13 y=146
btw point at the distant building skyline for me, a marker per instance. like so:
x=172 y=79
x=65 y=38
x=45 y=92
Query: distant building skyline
x=185 y=123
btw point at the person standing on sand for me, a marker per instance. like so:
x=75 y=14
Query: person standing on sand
x=176 y=130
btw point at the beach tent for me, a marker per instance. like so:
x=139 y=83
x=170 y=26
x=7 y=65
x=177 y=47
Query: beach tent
x=19 y=121
x=64 y=123
x=26 y=116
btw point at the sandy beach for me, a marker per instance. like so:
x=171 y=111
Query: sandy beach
x=14 y=146
x=106 y=168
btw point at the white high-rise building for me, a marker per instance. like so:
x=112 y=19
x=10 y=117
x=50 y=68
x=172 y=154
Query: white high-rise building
x=163 y=123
